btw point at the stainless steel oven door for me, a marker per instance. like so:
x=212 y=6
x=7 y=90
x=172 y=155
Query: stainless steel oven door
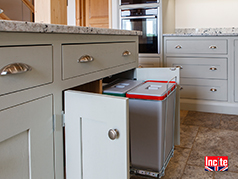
x=145 y=22
x=126 y=2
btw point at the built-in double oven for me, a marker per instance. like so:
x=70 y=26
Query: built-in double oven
x=126 y=2
x=142 y=16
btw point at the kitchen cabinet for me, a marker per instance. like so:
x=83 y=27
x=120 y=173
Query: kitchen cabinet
x=89 y=118
x=32 y=104
x=236 y=71
x=207 y=71
x=26 y=140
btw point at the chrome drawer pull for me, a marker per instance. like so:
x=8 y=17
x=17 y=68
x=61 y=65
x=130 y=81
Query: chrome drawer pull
x=213 y=47
x=179 y=66
x=15 y=68
x=178 y=46
x=126 y=53
x=113 y=134
x=85 y=59
x=213 y=89
x=213 y=68
x=1 y=11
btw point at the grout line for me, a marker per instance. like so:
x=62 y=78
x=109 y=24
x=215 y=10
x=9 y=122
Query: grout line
x=220 y=122
x=190 y=153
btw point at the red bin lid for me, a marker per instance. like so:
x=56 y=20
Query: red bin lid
x=152 y=90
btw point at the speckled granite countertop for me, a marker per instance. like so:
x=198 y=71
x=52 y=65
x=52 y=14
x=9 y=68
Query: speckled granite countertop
x=20 y=26
x=204 y=32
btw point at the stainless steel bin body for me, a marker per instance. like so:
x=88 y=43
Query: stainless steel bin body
x=151 y=114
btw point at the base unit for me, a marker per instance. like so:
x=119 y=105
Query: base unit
x=26 y=140
x=97 y=130
x=208 y=71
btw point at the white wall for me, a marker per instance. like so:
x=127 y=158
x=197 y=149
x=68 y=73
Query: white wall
x=71 y=14
x=206 y=13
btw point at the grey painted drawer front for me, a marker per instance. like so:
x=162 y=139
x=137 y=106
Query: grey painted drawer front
x=201 y=89
x=236 y=70
x=105 y=56
x=196 y=46
x=215 y=68
x=41 y=65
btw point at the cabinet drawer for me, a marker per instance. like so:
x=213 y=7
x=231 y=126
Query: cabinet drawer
x=215 y=68
x=204 y=89
x=196 y=46
x=39 y=58
x=105 y=56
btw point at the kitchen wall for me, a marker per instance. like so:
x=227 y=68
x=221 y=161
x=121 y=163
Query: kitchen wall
x=206 y=13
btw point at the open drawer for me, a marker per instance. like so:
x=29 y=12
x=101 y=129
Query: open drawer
x=90 y=152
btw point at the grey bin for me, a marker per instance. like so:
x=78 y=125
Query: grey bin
x=120 y=88
x=151 y=116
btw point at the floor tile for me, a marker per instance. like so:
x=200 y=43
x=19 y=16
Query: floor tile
x=229 y=122
x=202 y=119
x=193 y=172
x=187 y=135
x=183 y=114
x=226 y=175
x=215 y=142
x=176 y=166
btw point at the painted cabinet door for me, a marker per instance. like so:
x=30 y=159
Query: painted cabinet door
x=236 y=71
x=90 y=152
x=26 y=140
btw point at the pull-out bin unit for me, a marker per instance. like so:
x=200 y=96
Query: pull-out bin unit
x=151 y=114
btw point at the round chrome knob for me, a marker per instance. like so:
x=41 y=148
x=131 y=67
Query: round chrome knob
x=113 y=134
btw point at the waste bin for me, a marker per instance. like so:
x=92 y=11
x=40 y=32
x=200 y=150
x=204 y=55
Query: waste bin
x=151 y=114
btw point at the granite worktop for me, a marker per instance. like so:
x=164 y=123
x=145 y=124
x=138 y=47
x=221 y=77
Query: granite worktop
x=204 y=32
x=20 y=26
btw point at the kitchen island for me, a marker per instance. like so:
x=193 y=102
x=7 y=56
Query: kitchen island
x=39 y=62
x=208 y=59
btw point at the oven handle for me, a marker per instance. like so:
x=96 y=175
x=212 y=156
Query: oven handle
x=138 y=17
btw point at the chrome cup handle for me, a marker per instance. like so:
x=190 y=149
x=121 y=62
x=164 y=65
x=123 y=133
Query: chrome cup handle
x=85 y=59
x=213 y=89
x=213 y=47
x=126 y=53
x=179 y=66
x=15 y=68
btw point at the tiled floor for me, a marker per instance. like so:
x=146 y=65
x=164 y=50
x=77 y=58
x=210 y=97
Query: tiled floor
x=204 y=134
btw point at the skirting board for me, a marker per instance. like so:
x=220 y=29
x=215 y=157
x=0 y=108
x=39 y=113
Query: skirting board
x=209 y=106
